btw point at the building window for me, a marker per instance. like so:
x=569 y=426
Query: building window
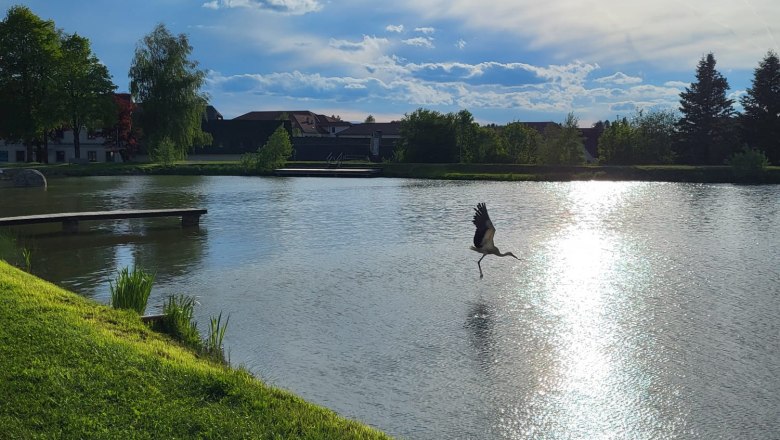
x=3 y=156
x=60 y=156
x=21 y=156
x=92 y=156
x=109 y=156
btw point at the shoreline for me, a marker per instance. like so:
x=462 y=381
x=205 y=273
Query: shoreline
x=455 y=171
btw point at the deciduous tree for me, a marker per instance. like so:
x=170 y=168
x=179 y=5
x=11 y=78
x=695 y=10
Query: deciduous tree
x=761 y=119
x=562 y=144
x=428 y=136
x=167 y=85
x=29 y=59
x=121 y=133
x=86 y=86
x=522 y=142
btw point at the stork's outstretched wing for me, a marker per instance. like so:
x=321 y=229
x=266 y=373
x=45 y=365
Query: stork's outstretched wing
x=483 y=236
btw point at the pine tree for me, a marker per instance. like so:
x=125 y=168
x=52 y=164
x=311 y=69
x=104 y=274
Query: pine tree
x=706 y=129
x=761 y=119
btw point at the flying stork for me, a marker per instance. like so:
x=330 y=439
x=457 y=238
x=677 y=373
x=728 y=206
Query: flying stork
x=483 y=236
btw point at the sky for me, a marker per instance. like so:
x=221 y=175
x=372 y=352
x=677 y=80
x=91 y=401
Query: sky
x=502 y=60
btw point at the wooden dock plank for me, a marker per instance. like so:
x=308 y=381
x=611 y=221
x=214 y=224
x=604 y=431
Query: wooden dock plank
x=189 y=216
x=329 y=172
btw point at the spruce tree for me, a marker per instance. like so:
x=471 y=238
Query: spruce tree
x=706 y=128
x=761 y=119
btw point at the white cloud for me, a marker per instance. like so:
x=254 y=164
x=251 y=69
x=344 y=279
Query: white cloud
x=426 y=42
x=461 y=44
x=560 y=88
x=667 y=33
x=618 y=78
x=292 y=7
x=677 y=84
x=425 y=30
x=367 y=44
x=394 y=28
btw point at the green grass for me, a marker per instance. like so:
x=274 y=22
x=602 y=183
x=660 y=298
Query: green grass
x=71 y=368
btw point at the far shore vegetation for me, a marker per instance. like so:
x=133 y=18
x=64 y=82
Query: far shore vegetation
x=72 y=368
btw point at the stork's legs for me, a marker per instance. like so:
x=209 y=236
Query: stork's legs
x=480 y=266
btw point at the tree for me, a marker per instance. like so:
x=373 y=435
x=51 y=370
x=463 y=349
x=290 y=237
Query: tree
x=166 y=83
x=86 y=86
x=706 y=131
x=616 y=143
x=29 y=58
x=522 y=142
x=427 y=136
x=644 y=139
x=761 y=119
x=370 y=119
x=562 y=144
x=120 y=132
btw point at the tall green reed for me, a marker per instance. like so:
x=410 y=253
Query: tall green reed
x=177 y=322
x=213 y=343
x=131 y=289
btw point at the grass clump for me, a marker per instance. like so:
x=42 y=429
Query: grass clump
x=72 y=368
x=178 y=322
x=131 y=290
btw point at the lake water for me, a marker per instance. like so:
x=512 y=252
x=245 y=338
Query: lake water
x=638 y=310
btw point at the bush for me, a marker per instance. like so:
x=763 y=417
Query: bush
x=272 y=155
x=131 y=290
x=749 y=165
x=165 y=152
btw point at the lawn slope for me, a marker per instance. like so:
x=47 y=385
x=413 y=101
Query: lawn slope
x=71 y=368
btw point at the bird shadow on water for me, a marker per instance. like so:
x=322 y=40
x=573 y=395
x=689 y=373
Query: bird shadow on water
x=480 y=324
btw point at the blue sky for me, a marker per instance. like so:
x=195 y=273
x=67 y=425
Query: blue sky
x=503 y=60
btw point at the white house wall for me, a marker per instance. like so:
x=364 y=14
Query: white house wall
x=62 y=150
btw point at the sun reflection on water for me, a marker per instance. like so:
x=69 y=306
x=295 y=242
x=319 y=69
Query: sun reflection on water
x=583 y=392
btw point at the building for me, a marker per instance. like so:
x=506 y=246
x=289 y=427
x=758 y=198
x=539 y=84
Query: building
x=61 y=150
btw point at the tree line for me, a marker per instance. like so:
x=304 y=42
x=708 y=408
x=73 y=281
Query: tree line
x=706 y=131
x=51 y=81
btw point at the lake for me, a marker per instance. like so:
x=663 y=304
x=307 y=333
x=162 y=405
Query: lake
x=638 y=310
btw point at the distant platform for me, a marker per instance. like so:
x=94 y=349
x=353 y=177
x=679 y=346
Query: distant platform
x=329 y=172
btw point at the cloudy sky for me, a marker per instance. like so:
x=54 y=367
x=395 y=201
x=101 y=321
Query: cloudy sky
x=503 y=60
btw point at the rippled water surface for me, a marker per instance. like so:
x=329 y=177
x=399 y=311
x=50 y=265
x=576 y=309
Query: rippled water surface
x=638 y=310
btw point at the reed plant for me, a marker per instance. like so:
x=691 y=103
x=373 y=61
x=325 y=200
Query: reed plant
x=27 y=255
x=131 y=289
x=212 y=345
x=178 y=322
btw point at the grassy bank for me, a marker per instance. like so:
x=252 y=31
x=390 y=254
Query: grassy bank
x=71 y=368
x=660 y=173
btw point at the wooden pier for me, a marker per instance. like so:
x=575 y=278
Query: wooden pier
x=329 y=172
x=70 y=220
